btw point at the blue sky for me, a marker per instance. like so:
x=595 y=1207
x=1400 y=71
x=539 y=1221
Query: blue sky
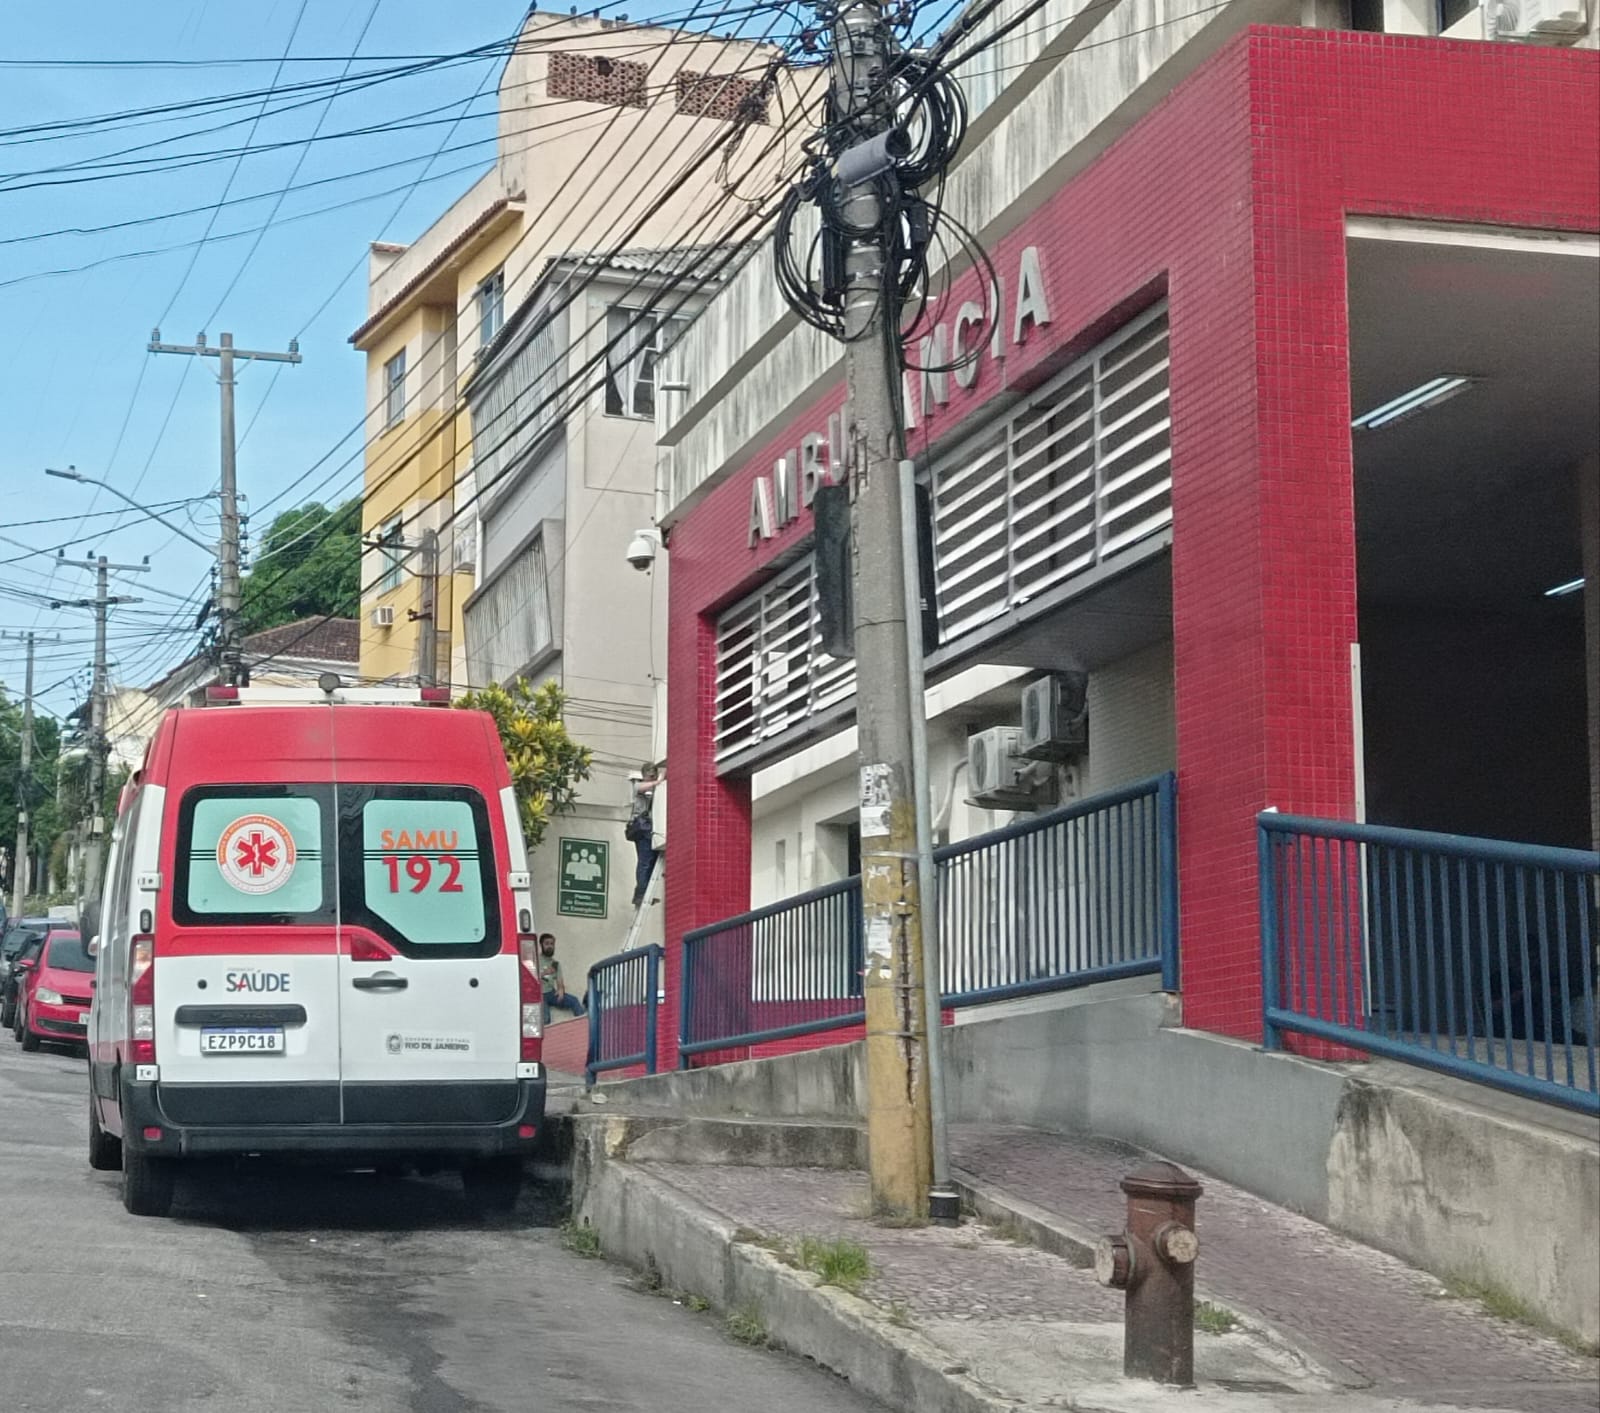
x=74 y=351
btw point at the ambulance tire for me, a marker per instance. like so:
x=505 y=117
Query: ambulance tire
x=105 y=1152
x=493 y=1186
x=147 y=1184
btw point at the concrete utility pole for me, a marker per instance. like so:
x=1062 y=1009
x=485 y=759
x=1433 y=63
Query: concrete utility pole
x=99 y=742
x=19 y=874
x=899 y=1114
x=427 y=616
x=228 y=588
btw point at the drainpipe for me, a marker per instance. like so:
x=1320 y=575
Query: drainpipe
x=944 y=1204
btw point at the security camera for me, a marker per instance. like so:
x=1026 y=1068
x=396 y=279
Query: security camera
x=642 y=548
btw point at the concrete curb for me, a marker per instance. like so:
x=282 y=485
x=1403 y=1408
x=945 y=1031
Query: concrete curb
x=649 y=1225
x=1050 y=1232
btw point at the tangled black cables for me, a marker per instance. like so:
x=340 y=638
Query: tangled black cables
x=927 y=116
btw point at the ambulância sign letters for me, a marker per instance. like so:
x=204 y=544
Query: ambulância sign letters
x=778 y=497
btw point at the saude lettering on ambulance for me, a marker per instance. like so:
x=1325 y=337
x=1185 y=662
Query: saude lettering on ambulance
x=256 y=981
x=777 y=499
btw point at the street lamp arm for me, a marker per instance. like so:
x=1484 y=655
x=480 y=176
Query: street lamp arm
x=73 y=474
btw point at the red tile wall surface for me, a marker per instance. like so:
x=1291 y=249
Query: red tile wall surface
x=1231 y=195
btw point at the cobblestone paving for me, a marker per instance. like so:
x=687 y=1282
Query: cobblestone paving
x=1391 y=1324
x=933 y=1272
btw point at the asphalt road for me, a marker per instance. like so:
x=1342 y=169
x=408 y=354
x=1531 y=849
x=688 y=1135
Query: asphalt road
x=304 y=1292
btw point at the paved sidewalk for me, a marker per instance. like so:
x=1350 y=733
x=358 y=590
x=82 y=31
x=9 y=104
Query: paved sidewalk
x=1031 y=1327
x=1394 y=1327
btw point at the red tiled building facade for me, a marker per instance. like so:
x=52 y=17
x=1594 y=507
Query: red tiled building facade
x=1230 y=199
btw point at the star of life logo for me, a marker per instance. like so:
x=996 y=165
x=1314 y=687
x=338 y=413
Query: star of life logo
x=256 y=854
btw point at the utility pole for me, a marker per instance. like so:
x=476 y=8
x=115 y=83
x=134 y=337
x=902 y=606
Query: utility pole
x=99 y=741
x=427 y=617
x=19 y=875
x=228 y=587
x=899 y=1115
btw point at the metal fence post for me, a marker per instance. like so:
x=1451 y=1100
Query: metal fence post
x=1167 y=877
x=652 y=976
x=685 y=1000
x=1270 y=1039
x=593 y=1059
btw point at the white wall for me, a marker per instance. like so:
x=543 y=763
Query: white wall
x=1131 y=735
x=1132 y=727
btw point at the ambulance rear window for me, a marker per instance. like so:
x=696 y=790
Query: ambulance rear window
x=253 y=854
x=427 y=867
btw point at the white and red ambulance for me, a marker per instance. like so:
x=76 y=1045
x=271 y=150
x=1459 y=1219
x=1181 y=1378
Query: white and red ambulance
x=317 y=939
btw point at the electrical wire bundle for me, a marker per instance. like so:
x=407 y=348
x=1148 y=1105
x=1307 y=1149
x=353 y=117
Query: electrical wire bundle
x=926 y=114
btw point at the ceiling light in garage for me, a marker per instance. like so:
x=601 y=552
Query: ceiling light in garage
x=1562 y=590
x=1408 y=404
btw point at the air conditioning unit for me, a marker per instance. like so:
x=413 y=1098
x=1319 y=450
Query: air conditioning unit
x=382 y=616
x=997 y=771
x=1055 y=716
x=1536 y=21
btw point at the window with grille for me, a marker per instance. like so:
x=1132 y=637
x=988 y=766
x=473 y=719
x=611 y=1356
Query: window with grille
x=1080 y=471
x=634 y=344
x=597 y=79
x=721 y=96
x=394 y=389
x=771 y=671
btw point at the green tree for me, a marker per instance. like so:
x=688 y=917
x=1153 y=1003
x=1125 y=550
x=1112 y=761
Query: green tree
x=546 y=764
x=39 y=787
x=308 y=564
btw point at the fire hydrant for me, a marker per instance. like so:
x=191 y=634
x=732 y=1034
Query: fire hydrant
x=1153 y=1260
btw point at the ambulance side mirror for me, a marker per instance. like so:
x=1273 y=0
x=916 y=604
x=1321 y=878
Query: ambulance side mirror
x=94 y=945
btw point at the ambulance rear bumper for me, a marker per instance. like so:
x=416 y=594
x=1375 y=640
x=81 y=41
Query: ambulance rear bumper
x=378 y=1120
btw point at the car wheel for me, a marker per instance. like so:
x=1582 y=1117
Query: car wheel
x=30 y=1041
x=147 y=1184
x=105 y=1152
x=494 y=1185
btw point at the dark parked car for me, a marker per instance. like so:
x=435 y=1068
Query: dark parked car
x=29 y=941
x=17 y=931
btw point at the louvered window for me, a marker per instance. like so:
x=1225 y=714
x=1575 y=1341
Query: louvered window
x=771 y=671
x=1080 y=470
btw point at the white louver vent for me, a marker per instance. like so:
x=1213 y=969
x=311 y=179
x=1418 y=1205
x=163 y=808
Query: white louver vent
x=771 y=670
x=1081 y=470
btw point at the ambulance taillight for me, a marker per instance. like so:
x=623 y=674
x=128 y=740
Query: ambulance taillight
x=532 y=994
x=142 y=1000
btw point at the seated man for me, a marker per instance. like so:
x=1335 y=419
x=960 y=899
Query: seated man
x=550 y=978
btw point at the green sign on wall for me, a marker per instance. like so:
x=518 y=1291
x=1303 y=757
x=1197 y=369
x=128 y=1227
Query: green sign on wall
x=585 y=872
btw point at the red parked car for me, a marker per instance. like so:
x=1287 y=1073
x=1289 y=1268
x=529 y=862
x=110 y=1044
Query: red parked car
x=55 y=994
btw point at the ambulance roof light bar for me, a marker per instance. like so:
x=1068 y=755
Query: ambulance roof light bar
x=327 y=693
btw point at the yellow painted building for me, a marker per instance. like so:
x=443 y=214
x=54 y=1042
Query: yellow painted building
x=603 y=132
x=418 y=448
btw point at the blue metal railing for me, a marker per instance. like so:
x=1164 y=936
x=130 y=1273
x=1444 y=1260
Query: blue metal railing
x=1081 y=894
x=623 y=998
x=1470 y=956
x=790 y=968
